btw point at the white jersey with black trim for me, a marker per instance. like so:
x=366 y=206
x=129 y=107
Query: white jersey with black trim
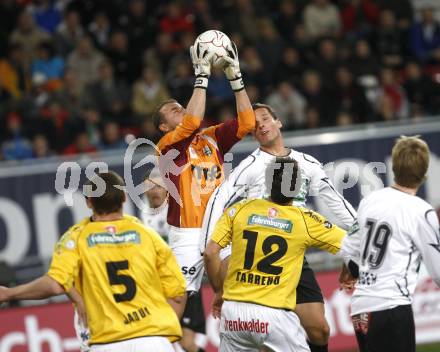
x=396 y=231
x=156 y=218
x=247 y=180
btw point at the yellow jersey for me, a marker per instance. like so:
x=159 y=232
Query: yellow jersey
x=125 y=272
x=268 y=246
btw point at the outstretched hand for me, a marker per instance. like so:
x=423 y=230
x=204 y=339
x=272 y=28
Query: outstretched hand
x=231 y=67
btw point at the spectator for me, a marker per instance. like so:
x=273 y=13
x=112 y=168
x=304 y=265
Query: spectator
x=176 y=20
x=141 y=27
x=320 y=99
x=148 y=92
x=46 y=15
x=162 y=53
x=252 y=67
x=289 y=105
x=421 y=89
x=344 y=118
x=425 y=37
x=111 y=137
x=70 y=93
x=350 y=97
x=9 y=12
x=313 y=117
x=69 y=33
x=269 y=47
x=327 y=62
x=14 y=72
x=363 y=63
x=359 y=17
x=84 y=62
x=290 y=68
x=204 y=19
x=402 y=10
x=16 y=146
x=41 y=147
x=91 y=122
x=286 y=19
x=106 y=90
x=389 y=40
x=126 y=66
x=28 y=35
x=242 y=18
x=321 y=18
x=47 y=62
x=80 y=145
x=99 y=30
x=181 y=82
x=392 y=103
x=36 y=98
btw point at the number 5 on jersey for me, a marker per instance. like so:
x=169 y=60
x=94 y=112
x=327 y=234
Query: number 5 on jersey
x=118 y=279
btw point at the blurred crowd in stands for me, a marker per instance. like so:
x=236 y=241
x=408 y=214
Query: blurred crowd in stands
x=81 y=75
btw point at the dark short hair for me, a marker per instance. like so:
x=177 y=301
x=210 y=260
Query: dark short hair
x=257 y=106
x=283 y=192
x=113 y=197
x=158 y=116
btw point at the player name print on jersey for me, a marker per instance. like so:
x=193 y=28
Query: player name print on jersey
x=95 y=239
x=256 y=279
x=136 y=315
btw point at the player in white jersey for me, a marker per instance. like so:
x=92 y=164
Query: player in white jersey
x=397 y=230
x=155 y=216
x=247 y=180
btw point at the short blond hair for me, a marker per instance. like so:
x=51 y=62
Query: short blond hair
x=410 y=157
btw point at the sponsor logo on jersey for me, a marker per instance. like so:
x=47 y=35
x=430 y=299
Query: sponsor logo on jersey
x=282 y=224
x=111 y=229
x=207 y=151
x=96 y=239
x=272 y=213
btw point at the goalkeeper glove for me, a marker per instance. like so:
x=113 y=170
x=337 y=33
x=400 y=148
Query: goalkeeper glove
x=232 y=68
x=202 y=65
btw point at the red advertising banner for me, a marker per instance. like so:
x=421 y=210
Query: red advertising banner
x=49 y=328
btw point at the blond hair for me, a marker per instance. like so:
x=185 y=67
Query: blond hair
x=410 y=157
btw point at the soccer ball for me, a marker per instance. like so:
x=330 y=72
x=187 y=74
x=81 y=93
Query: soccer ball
x=214 y=41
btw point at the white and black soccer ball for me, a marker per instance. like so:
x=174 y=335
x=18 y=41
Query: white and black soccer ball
x=213 y=41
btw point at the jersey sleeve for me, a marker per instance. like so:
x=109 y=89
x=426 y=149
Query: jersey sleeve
x=65 y=264
x=427 y=241
x=222 y=234
x=322 y=233
x=233 y=187
x=337 y=204
x=230 y=132
x=171 y=278
x=181 y=137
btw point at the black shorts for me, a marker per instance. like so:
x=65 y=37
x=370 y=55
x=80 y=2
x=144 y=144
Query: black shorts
x=390 y=330
x=308 y=290
x=194 y=315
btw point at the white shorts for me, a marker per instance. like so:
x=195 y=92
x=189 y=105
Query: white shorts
x=184 y=243
x=82 y=333
x=140 y=344
x=248 y=327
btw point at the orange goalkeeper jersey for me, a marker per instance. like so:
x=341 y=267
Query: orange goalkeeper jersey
x=200 y=154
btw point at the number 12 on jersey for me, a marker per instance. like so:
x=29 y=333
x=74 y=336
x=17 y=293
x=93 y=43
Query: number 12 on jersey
x=266 y=264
